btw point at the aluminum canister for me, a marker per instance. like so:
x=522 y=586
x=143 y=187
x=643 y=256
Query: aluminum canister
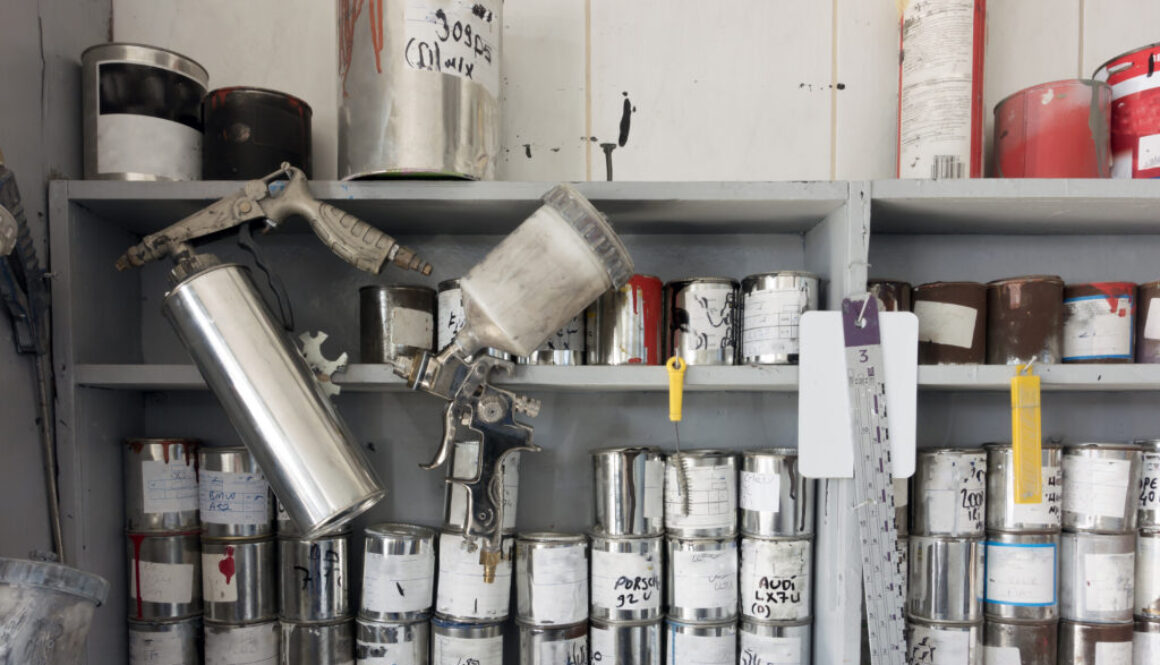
x=781 y=643
x=454 y=643
x=626 y=579
x=701 y=643
x=776 y=579
x=771 y=308
x=251 y=644
x=449 y=317
x=1055 y=130
x=1022 y=570
x=419 y=88
x=1148 y=574
x=1148 y=514
x=1146 y=643
x=272 y=398
x=775 y=498
x=701 y=320
x=624 y=642
x=1003 y=513
x=1147 y=323
x=552 y=578
x=286 y=526
x=1134 y=122
x=406 y=643
x=161 y=485
x=250 y=132
x=395 y=321
x=892 y=295
x=164 y=576
x=317 y=643
x=398 y=572
x=710 y=510
x=946 y=579
x=234 y=497
x=1099 y=325
x=1020 y=642
x=629 y=491
x=239 y=580
x=1096 y=576
x=929 y=643
x=1095 y=643
x=702 y=579
x=465 y=464
x=462 y=594
x=1024 y=320
x=314 y=586
x=1099 y=482
x=565 y=347
x=553 y=645
x=168 y=642
x=949 y=492
x=142 y=113
x=952 y=323
x=624 y=324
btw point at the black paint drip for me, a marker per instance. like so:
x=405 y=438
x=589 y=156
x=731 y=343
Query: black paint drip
x=528 y=150
x=608 y=148
x=625 y=121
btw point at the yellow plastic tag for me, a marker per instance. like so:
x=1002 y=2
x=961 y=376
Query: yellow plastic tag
x=677 y=369
x=1026 y=437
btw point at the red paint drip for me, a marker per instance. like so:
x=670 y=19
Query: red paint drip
x=1114 y=291
x=226 y=565
x=348 y=12
x=376 y=18
x=137 y=539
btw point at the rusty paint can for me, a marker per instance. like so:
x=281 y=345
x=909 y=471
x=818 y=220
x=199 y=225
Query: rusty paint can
x=1148 y=575
x=624 y=325
x=1024 y=320
x=701 y=320
x=952 y=323
x=1055 y=130
x=168 y=642
x=1148 y=513
x=1003 y=513
x=161 y=492
x=1146 y=643
x=239 y=580
x=1095 y=643
x=950 y=492
x=701 y=643
x=628 y=485
x=1135 y=135
x=892 y=295
x=1022 y=571
x=1099 y=482
x=946 y=579
x=930 y=643
x=1147 y=323
x=1099 y=322
x=164 y=575
x=776 y=579
x=250 y=644
x=626 y=579
x=702 y=579
x=250 y=132
x=1019 y=642
x=1097 y=573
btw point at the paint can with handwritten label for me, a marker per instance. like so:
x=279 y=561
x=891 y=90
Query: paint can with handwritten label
x=1099 y=480
x=702 y=579
x=627 y=579
x=707 y=508
x=1059 y=129
x=775 y=643
x=892 y=295
x=313 y=583
x=776 y=499
x=701 y=320
x=1020 y=642
x=398 y=572
x=952 y=323
x=1135 y=132
x=1003 y=512
x=930 y=643
x=701 y=643
x=624 y=643
x=1097 y=576
x=551 y=578
x=1095 y=643
x=161 y=485
x=234 y=497
x=239 y=580
x=457 y=643
x=1147 y=586
x=771 y=308
x=164 y=575
x=949 y=492
x=250 y=132
x=250 y=644
x=1148 y=323
x=287 y=528
x=169 y=642
x=776 y=579
x=465 y=464
x=1148 y=513
x=450 y=317
x=391 y=643
x=565 y=347
x=629 y=491
x=1100 y=324
x=329 y=643
x=395 y=321
x=946 y=579
x=624 y=325
x=1021 y=574
x=553 y=645
x=463 y=594
x=1146 y=643
x=1024 y=320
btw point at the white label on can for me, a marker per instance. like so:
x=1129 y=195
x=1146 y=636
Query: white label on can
x=1021 y=574
x=945 y=323
x=169 y=487
x=602 y=645
x=411 y=327
x=1047 y=510
x=1148 y=152
x=1093 y=328
x=1001 y=656
x=242 y=645
x=450 y=314
x=1147 y=583
x=775 y=579
x=1108 y=581
x=771 y=320
x=398 y=582
x=763 y=650
x=454 y=37
x=1150 y=482
x=712 y=496
x=234 y=498
x=654 y=488
x=705 y=579
x=219 y=577
x=1145 y=648
x=689 y=649
x=1095 y=486
x=131 y=143
x=462 y=591
x=932 y=646
x=447 y=650
x=760 y=491
x=162 y=582
x=560 y=580
x=464 y=464
x=563 y=652
x=710 y=319
x=625 y=581
x=955 y=493
x=1113 y=653
x=158 y=648
x=1152 y=323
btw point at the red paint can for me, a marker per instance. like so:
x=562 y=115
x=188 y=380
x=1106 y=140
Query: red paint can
x=1135 y=111
x=1054 y=130
x=624 y=325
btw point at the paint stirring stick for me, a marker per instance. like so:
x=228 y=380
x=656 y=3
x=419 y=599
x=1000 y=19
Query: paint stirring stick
x=677 y=368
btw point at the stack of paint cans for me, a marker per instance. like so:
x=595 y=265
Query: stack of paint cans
x=624 y=325
x=1146 y=650
x=1022 y=561
x=627 y=581
x=777 y=527
x=701 y=539
x=163 y=554
x=471 y=602
x=397 y=594
x=944 y=601
x=552 y=598
x=1097 y=552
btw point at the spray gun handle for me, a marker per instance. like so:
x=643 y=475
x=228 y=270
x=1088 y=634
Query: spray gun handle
x=358 y=243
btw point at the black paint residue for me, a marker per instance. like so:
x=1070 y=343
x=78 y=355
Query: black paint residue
x=482 y=12
x=625 y=121
x=555 y=150
x=608 y=148
x=841 y=86
x=528 y=150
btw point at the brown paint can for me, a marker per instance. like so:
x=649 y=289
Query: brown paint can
x=1147 y=336
x=1099 y=323
x=952 y=323
x=1024 y=320
x=892 y=295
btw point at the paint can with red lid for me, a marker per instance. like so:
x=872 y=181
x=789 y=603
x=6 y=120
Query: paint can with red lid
x=1135 y=135
x=1099 y=322
x=249 y=132
x=1054 y=130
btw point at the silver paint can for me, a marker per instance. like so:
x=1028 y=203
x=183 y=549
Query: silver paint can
x=1148 y=513
x=234 y=497
x=465 y=464
x=251 y=644
x=395 y=321
x=775 y=579
x=1148 y=575
x=629 y=485
x=462 y=593
x=946 y=579
x=398 y=582
x=313 y=583
x=710 y=510
x=772 y=305
x=1003 y=512
x=701 y=320
x=930 y=643
x=286 y=527
x=624 y=325
x=317 y=643
x=701 y=643
x=1020 y=643
x=1146 y=643
x=775 y=643
x=1022 y=570
x=776 y=499
x=624 y=643
x=565 y=347
x=551 y=578
x=702 y=579
x=456 y=643
x=626 y=579
x=161 y=485
x=168 y=642
x=1095 y=643
x=1097 y=573
x=553 y=645
x=949 y=493
x=164 y=576
x=1099 y=480
x=449 y=317
x=239 y=580
x=394 y=643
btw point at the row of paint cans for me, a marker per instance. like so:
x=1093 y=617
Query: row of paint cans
x=1059 y=129
x=182 y=642
x=463 y=593
x=313 y=579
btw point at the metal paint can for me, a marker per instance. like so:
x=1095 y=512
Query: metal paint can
x=1100 y=322
x=250 y=132
x=1003 y=513
x=405 y=643
x=252 y=644
x=952 y=323
x=234 y=498
x=629 y=490
x=239 y=580
x=776 y=499
x=776 y=579
x=701 y=320
x=398 y=572
x=454 y=643
x=313 y=583
x=317 y=643
x=1148 y=513
x=1095 y=643
x=164 y=576
x=1059 y=129
x=142 y=113
x=930 y=643
x=711 y=508
x=552 y=578
x=1147 y=323
x=287 y=528
x=1020 y=643
x=462 y=594
x=465 y=464
x=1148 y=575
x=626 y=579
x=161 y=485
x=566 y=347
x=1135 y=98
x=702 y=579
x=946 y=579
x=1146 y=643
x=950 y=492
x=1097 y=574
x=553 y=645
x=701 y=643
x=892 y=295
x=768 y=643
x=1098 y=484
x=1022 y=570
x=168 y=642
x=395 y=321
x=1024 y=320
x=771 y=308
x=450 y=317
x=624 y=643
x=624 y=325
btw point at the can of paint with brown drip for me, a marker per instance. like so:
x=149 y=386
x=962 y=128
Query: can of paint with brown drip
x=892 y=295
x=952 y=318
x=1024 y=320
x=1099 y=322
x=1147 y=323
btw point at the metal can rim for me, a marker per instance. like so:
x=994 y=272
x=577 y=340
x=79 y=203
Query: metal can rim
x=703 y=453
x=448 y=285
x=237 y=540
x=1091 y=82
x=1147 y=443
x=931 y=451
x=803 y=538
x=331 y=623
x=259 y=91
x=779 y=273
x=725 y=623
x=568 y=537
x=640 y=623
x=168 y=622
x=96 y=49
x=944 y=624
x=420 y=618
x=1128 y=447
x=679 y=540
x=612 y=450
x=444 y=621
x=753 y=454
x=743 y=620
x=930 y=285
x=151 y=440
x=1023 y=279
x=592 y=536
x=399 y=529
x=1125 y=54
x=392 y=288
x=998 y=445
x=702 y=280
